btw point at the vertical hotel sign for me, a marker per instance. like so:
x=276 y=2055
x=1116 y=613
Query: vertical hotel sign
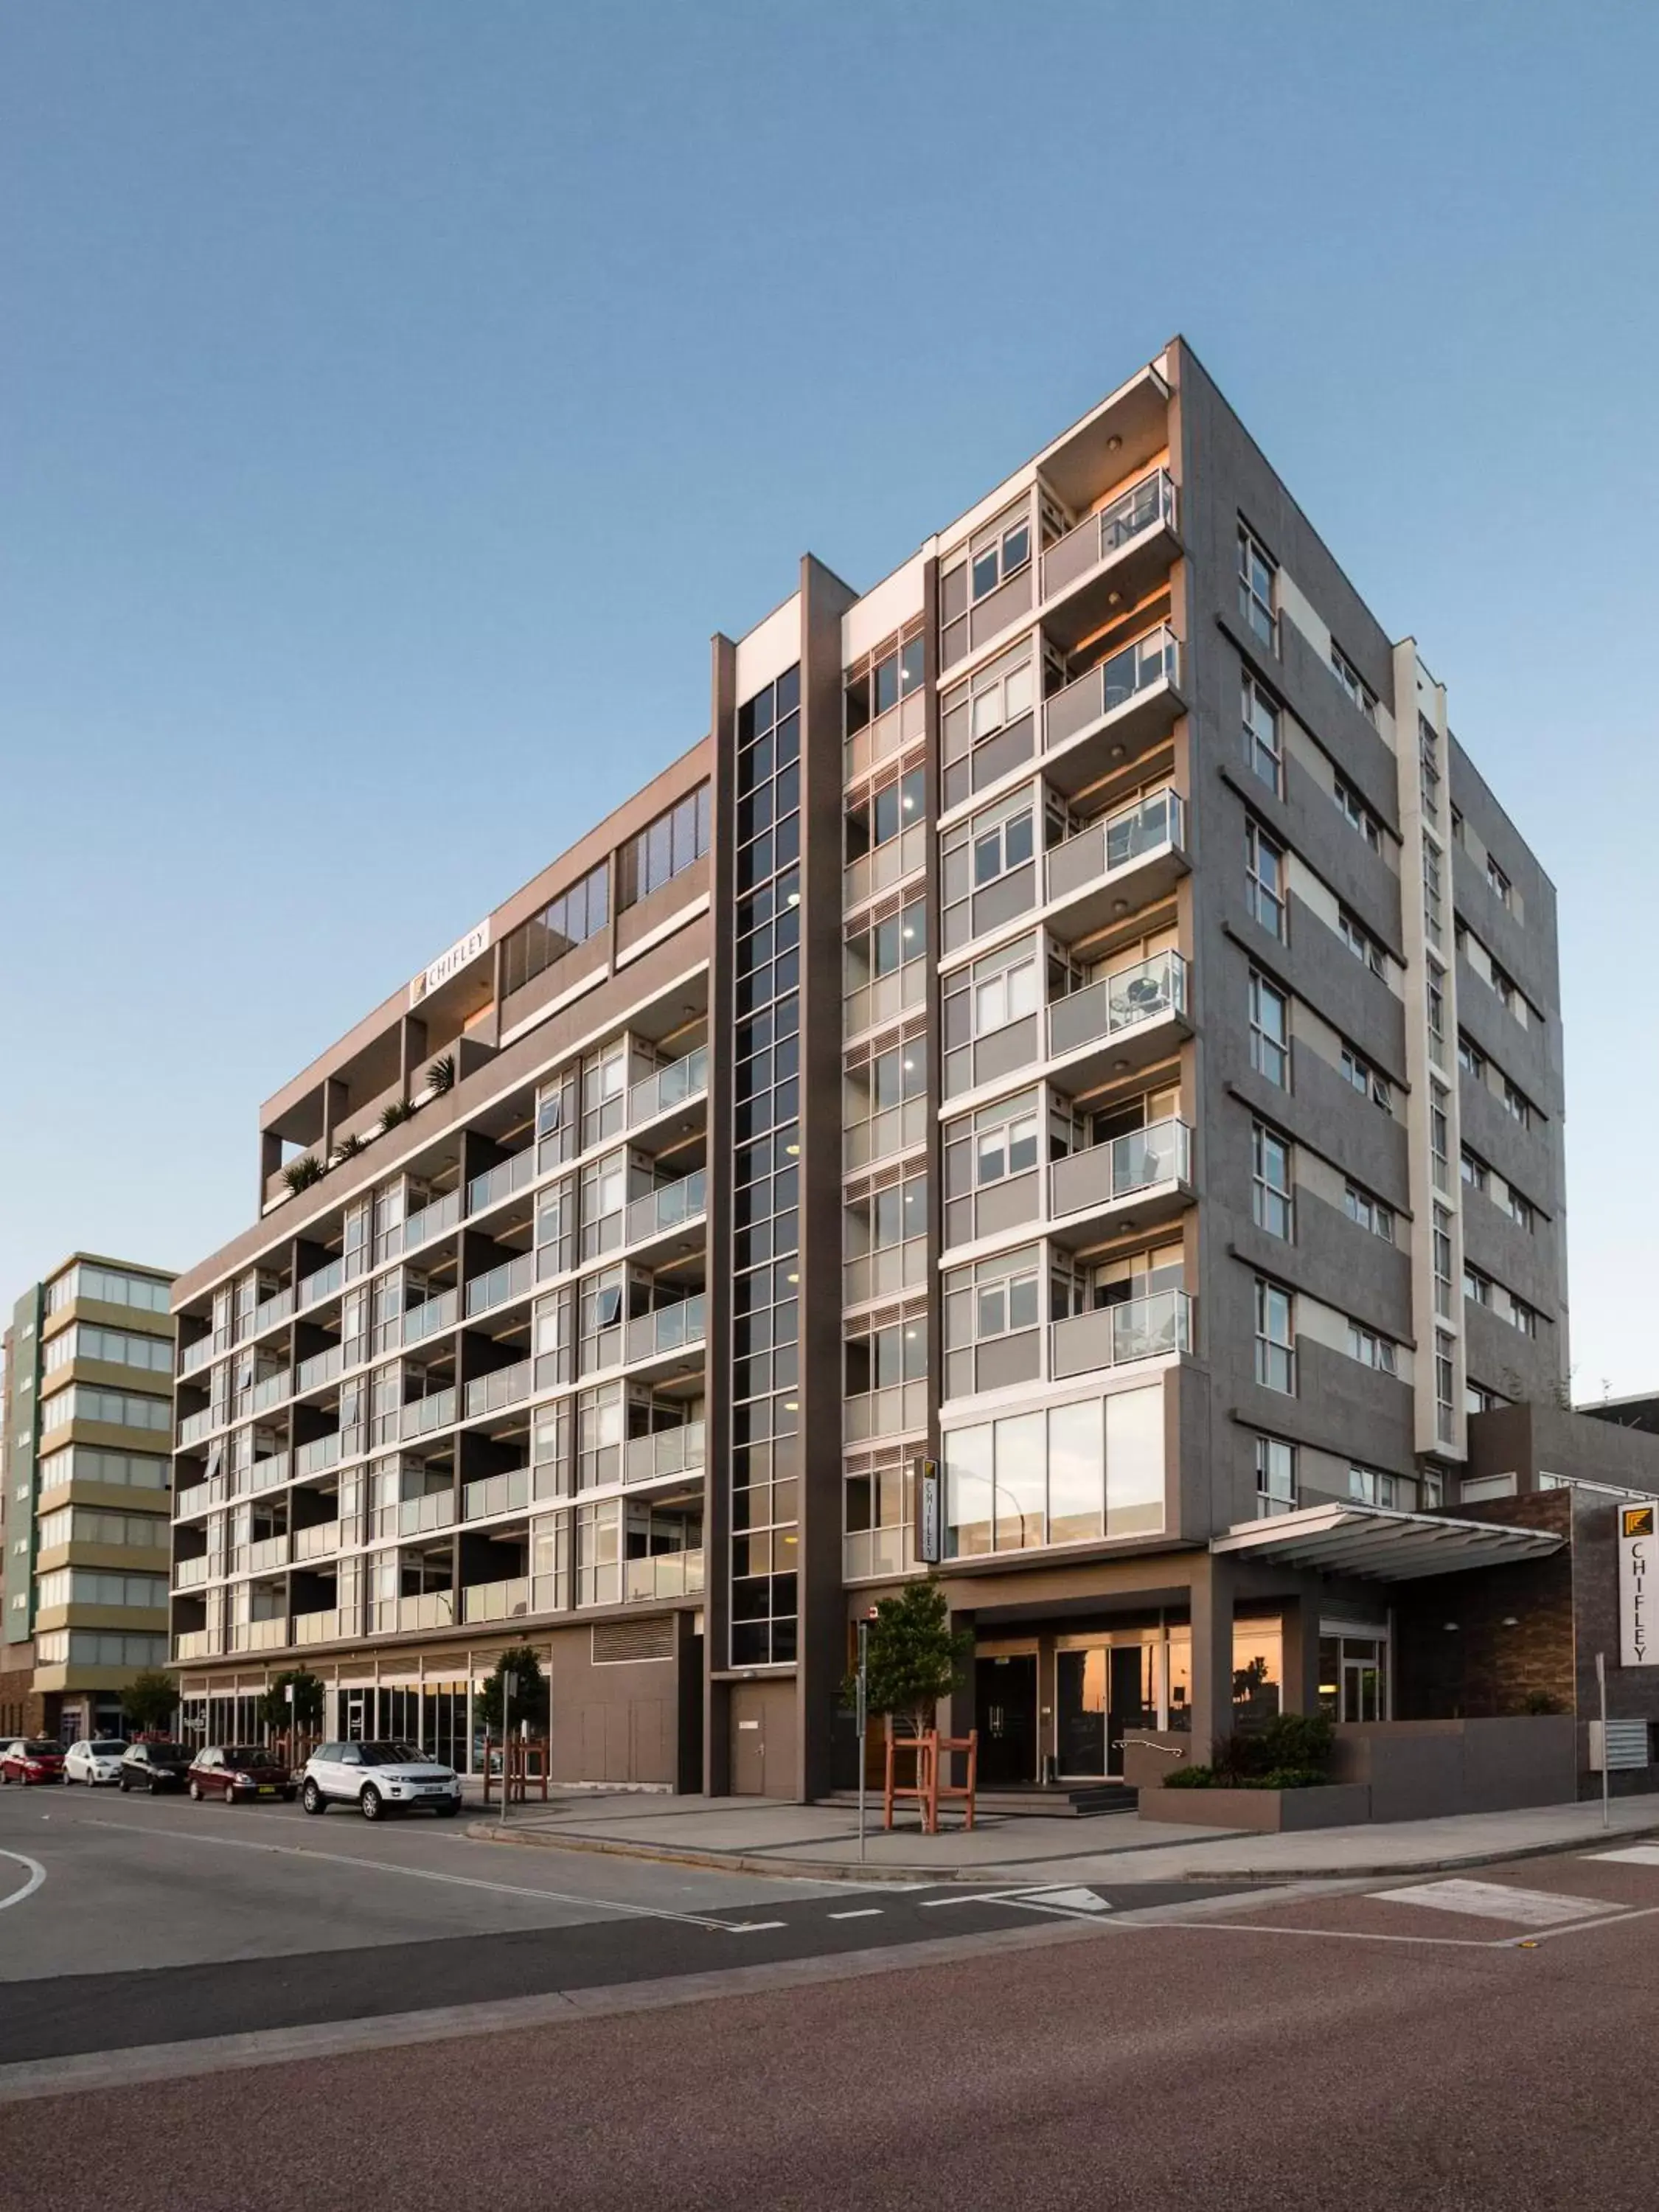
x=1638 y=1586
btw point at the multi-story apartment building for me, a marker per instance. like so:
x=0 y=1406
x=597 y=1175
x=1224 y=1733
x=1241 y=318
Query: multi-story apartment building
x=84 y=1499
x=1078 y=1019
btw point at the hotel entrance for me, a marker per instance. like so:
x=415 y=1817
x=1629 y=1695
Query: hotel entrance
x=1005 y=1705
x=1102 y=1691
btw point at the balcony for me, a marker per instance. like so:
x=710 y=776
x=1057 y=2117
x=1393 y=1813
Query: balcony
x=669 y=1206
x=319 y=1627
x=894 y=861
x=263 y=1557
x=320 y=1453
x=496 y=1493
x=432 y=1220
x=664 y=1575
x=503 y=1181
x=1128 y=1020
x=272 y=1390
x=318 y=1541
x=1155 y=1327
x=322 y=1367
x=1114 y=713
x=676 y=1084
x=664 y=1452
x=1130 y=858
x=496 y=1601
x=422 y=1516
x=195 y=1355
x=1114 y=556
x=267 y=1635
x=195 y=1426
x=266 y=1473
x=432 y=1610
x=272 y=1311
x=513 y=1279
x=421 y=1416
x=665 y=1330
x=192 y=1644
x=311 y=1290
x=493 y=1394
x=432 y=1318
x=1150 y=1167
x=189 y=1574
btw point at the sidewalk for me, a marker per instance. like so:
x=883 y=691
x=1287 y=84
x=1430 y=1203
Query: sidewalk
x=820 y=1842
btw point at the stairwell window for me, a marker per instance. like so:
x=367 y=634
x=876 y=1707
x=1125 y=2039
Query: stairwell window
x=1270 y=1031
x=1353 y=683
x=1358 y=815
x=1367 y=1080
x=1275 y=1476
x=1258 y=576
x=1360 y=942
x=1371 y=1349
x=1263 y=752
x=1368 y=1212
x=1264 y=879
x=1271 y=1196
x=1275 y=1337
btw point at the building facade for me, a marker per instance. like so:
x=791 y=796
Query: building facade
x=85 y=1520
x=1078 y=1020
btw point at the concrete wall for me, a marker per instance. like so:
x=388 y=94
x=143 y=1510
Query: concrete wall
x=1422 y=1770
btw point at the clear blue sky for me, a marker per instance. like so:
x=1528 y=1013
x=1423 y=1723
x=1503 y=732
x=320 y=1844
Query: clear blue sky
x=352 y=356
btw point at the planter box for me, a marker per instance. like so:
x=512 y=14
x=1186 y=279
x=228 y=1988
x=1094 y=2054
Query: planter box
x=1261 y=1811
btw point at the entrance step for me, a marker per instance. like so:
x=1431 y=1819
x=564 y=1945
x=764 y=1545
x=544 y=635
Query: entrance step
x=1082 y=1801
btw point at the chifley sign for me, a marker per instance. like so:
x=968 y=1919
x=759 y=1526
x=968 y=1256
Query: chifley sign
x=1638 y=1560
x=463 y=952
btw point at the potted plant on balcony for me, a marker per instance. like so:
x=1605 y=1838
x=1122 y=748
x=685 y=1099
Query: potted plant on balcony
x=394 y=1116
x=440 y=1076
x=300 y=1175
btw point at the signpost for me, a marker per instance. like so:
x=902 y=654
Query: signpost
x=1601 y=1695
x=861 y=1706
x=507 y=1686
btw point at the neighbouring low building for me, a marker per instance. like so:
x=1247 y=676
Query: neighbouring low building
x=85 y=1505
x=1078 y=1019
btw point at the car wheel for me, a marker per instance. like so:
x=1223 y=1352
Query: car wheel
x=447 y=1812
x=154 y=1785
x=196 y=1792
x=123 y=1784
x=373 y=1803
x=288 y=1796
x=313 y=1799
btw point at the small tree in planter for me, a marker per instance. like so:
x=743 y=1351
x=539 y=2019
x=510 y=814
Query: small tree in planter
x=150 y=1701
x=300 y=1175
x=529 y=1700
x=306 y=1709
x=916 y=1656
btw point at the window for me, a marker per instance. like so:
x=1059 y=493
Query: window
x=1440 y=1234
x=1004 y=1139
x=1517 y=1104
x=1477 y=1287
x=663 y=849
x=1520 y=1210
x=117 y=1347
x=1368 y=1486
x=116 y=1409
x=134 y=1470
x=1503 y=984
x=1360 y=942
x=1436 y=1003
x=110 y=1287
x=1428 y=753
x=1264 y=879
x=1439 y=1139
x=876 y=818
x=1358 y=815
x=1500 y=883
x=1432 y=911
x=1522 y=1316
x=1270 y=1185
x=1072 y=1475
x=1006 y=1294
x=1445 y=1386
x=1003 y=838
x=564 y=922
x=1470 y=1058
x=1476 y=1173
x=1275 y=1341
x=1368 y=1212
x=1262 y=754
x=1353 y=683
x=1004 y=987
x=1000 y=553
x=1275 y=1476
x=891 y=673
x=90 y=1586
x=1367 y=1080
x=1257 y=578
x=1270 y=1031
x=1371 y=1349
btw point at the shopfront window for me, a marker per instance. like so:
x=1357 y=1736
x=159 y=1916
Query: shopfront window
x=1354 y=1674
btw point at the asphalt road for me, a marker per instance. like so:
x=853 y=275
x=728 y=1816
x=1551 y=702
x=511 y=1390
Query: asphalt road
x=1450 y=2044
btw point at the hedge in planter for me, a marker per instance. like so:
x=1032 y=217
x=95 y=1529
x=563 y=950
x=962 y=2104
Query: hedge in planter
x=1293 y=1752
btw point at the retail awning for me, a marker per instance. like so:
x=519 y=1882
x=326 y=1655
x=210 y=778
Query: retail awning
x=1394 y=1547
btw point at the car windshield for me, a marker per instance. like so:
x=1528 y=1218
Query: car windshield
x=167 y=1754
x=41 y=1747
x=249 y=1754
x=394 y=1754
x=111 y=1748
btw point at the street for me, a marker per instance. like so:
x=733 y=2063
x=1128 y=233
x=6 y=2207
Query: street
x=1454 y=2042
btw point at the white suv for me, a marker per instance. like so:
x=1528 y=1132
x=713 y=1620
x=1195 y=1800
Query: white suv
x=94 y=1759
x=379 y=1779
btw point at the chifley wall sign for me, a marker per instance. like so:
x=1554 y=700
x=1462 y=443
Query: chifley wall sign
x=1639 y=1559
x=464 y=951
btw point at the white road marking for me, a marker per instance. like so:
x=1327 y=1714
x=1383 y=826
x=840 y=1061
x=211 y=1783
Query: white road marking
x=1633 y=1855
x=864 y=1912
x=427 y=1873
x=970 y=1897
x=1493 y=1900
x=37 y=1875
x=743 y=1926
x=1073 y=1900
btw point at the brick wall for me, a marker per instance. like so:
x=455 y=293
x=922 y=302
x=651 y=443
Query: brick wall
x=1513 y=1633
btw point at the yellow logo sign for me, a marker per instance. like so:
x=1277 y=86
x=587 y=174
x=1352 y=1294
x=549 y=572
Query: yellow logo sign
x=1637 y=1520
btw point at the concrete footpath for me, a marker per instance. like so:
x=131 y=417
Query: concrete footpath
x=820 y=1842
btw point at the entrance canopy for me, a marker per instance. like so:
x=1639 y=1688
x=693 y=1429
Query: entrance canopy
x=1394 y=1547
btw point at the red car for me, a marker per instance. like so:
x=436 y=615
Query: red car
x=28 y=1758
x=240 y=1772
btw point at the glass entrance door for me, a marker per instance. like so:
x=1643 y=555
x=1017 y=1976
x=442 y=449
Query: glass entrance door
x=1080 y=1711
x=1132 y=1707
x=1006 y=1703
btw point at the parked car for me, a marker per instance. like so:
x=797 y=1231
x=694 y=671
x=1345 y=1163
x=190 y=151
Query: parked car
x=94 y=1759
x=155 y=1766
x=379 y=1779
x=28 y=1758
x=240 y=1771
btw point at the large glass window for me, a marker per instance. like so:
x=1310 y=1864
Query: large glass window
x=1073 y=1474
x=117 y=1347
x=564 y=922
x=1275 y=1476
x=663 y=849
x=110 y=1287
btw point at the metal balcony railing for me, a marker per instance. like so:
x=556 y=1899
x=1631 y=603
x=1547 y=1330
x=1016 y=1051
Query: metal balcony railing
x=665 y=1451
x=489 y=1393
x=512 y=1279
x=496 y=1493
x=1118 y=1002
x=666 y=1207
x=507 y=1600
x=432 y=1318
x=666 y=1329
x=1145 y=507
x=1149 y=825
x=1152 y=1327
x=1152 y=660
x=501 y=1181
x=1161 y=1152
x=432 y=1220
x=675 y=1085
x=322 y=1283
x=422 y=1415
x=664 y=1574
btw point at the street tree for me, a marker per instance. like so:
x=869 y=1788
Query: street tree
x=916 y=1656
